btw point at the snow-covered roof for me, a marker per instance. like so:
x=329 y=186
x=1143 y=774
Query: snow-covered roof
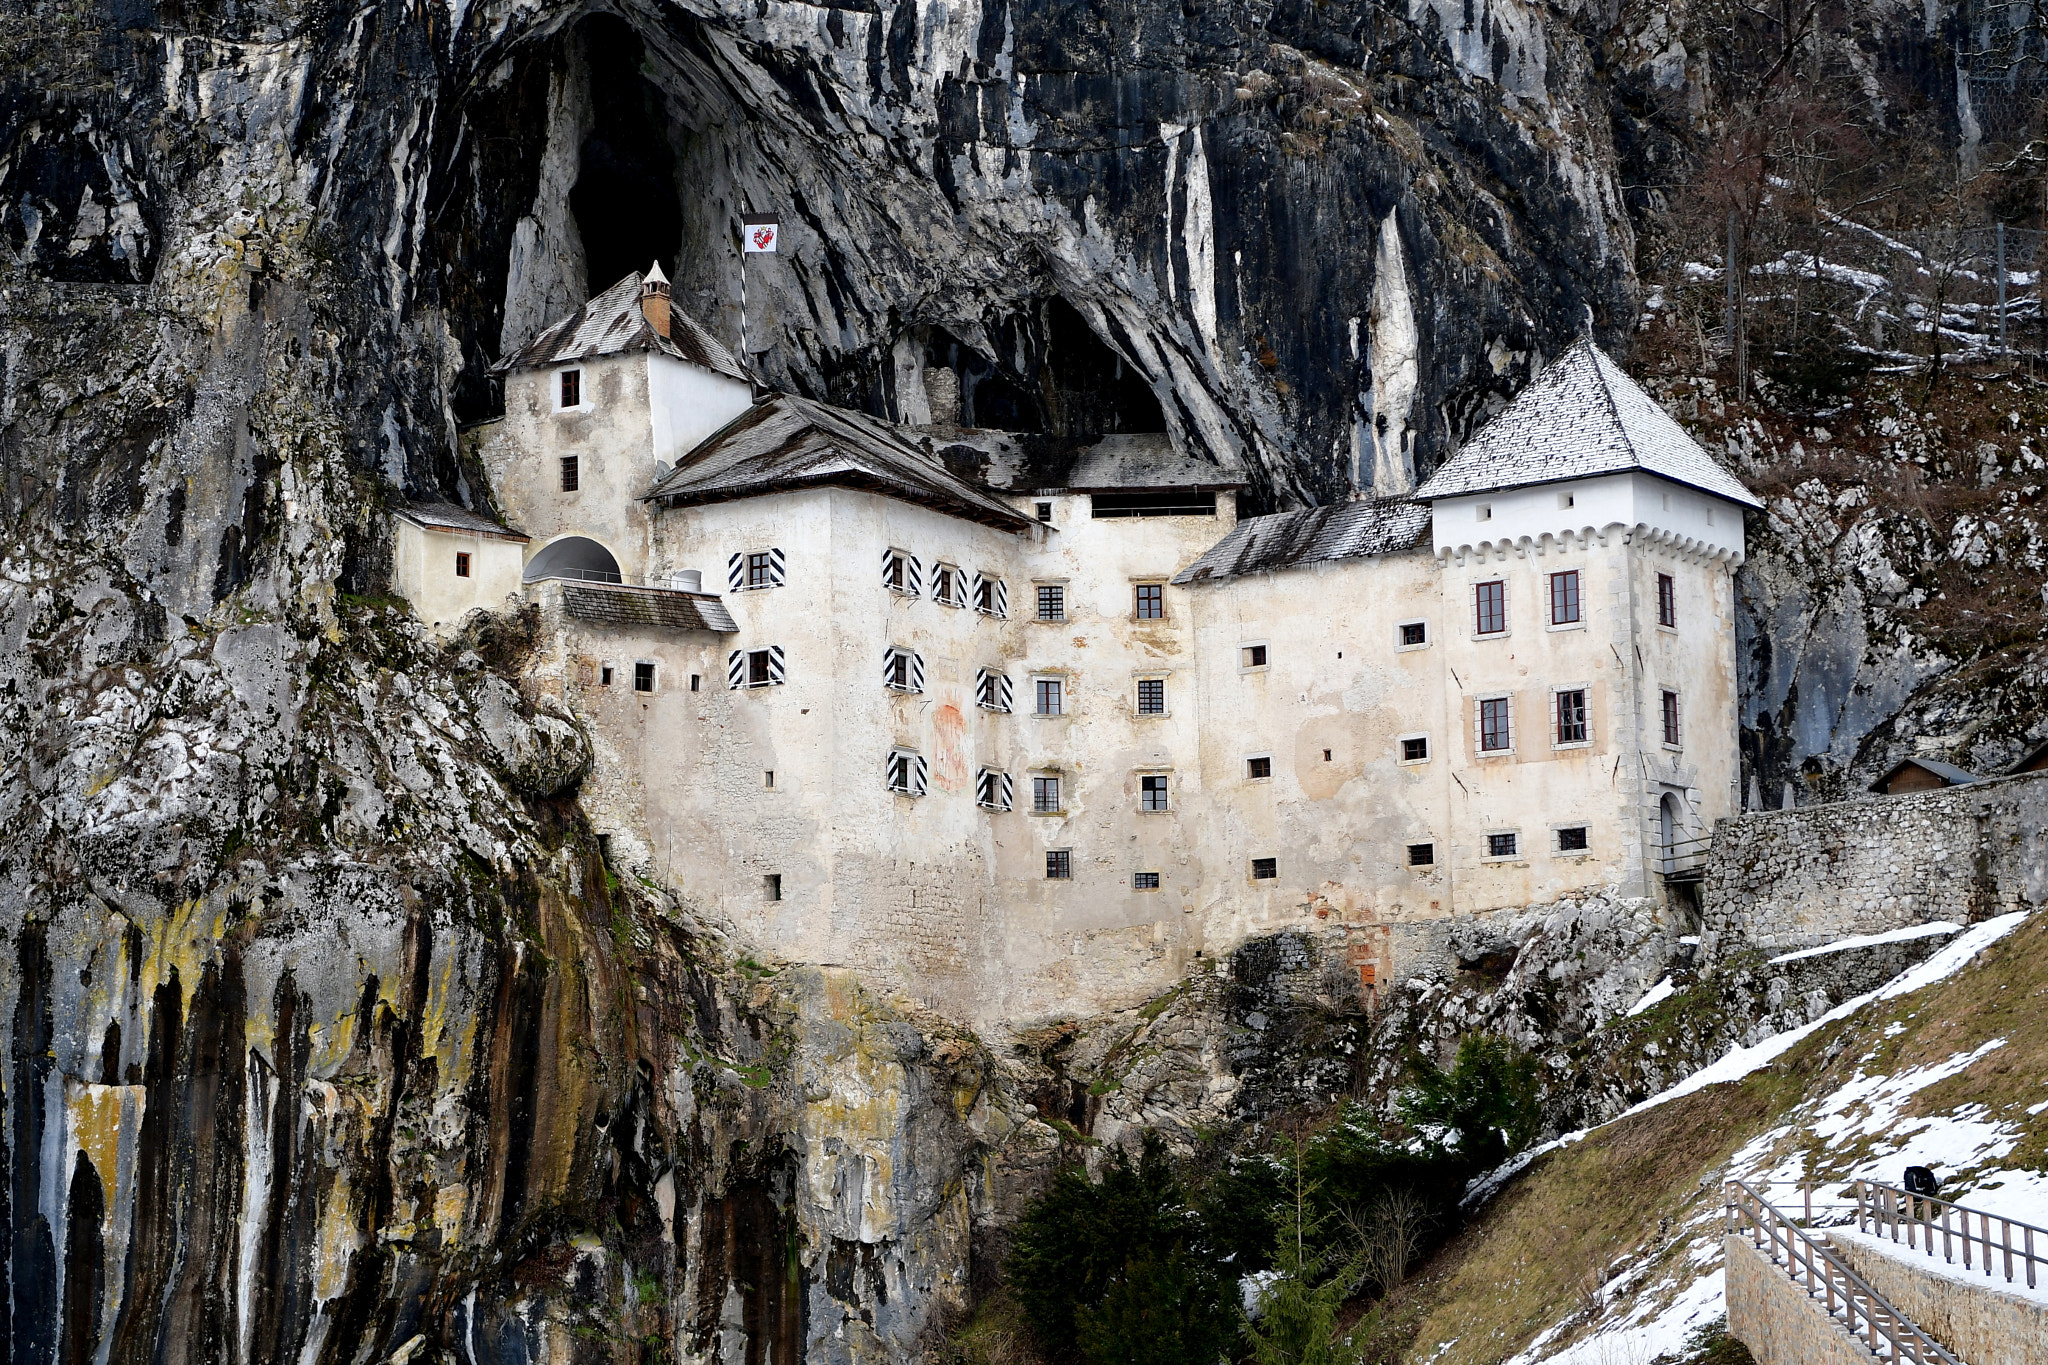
x=786 y=442
x=437 y=515
x=611 y=324
x=1315 y=535
x=1581 y=417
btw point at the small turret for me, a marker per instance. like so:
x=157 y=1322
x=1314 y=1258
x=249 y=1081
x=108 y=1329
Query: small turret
x=654 y=298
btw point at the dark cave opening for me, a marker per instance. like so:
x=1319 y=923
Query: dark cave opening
x=1054 y=377
x=627 y=208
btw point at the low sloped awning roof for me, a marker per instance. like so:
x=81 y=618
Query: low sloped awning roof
x=616 y=604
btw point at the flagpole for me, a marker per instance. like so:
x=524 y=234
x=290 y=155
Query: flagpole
x=743 y=298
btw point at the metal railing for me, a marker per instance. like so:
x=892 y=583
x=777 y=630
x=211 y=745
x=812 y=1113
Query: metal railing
x=583 y=575
x=1685 y=860
x=1849 y=1299
x=1886 y=1209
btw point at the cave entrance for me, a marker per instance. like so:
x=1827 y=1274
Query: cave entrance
x=1054 y=376
x=627 y=207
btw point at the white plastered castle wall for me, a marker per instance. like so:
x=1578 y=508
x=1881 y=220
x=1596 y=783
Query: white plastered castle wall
x=424 y=569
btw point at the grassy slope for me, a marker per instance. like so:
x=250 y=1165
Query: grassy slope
x=1641 y=1196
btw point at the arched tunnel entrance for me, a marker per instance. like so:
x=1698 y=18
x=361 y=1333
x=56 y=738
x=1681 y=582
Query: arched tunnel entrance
x=577 y=557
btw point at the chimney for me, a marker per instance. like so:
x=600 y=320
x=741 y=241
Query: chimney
x=654 y=299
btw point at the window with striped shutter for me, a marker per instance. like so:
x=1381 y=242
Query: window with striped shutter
x=736 y=668
x=992 y=597
x=900 y=573
x=994 y=790
x=756 y=569
x=992 y=691
x=756 y=668
x=902 y=670
x=906 y=772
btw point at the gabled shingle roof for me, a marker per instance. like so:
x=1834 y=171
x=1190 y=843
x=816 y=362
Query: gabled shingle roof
x=437 y=515
x=1581 y=417
x=786 y=442
x=615 y=604
x=1315 y=535
x=612 y=324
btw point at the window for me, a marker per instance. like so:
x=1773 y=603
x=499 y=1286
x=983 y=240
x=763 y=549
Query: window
x=1144 y=881
x=900 y=573
x=1667 y=601
x=768 y=778
x=1671 y=719
x=771 y=886
x=1252 y=656
x=1415 y=749
x=1495 y=725
x=1326 y=755
x=1047 y=702
x=1414 y=634
x=1265 y=869
x=695 y=680
x=1152 y=793
x=991 y=597
x=604 y=676
x=461 y=565
x=1564 y=598
x=992 y=691
x=905 y=772
x=571 y=476
x=1151 y=601
x=1045 y=511
x=754 y=569
x=902 y=670
x=993 y=790
x=1422 y=855
x=1059 y=864
x=949 y=586
x=643 y=677
x=1484 y=511
x=1258 y=769
x=1490 y=608
x=1567 y=500
x=1052 y=602
x=755 y=668
x=1151 y=696
x=1501 y=845
x=1571 y=716
x=1571 y=839
x=1045 y=795
x=572 y=388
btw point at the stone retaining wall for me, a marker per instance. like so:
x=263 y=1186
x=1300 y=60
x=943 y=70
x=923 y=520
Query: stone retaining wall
x=1776 y=1319
x=1785 y=880
x=1981 y=1321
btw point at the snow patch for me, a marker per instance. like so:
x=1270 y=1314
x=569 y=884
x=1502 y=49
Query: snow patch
x=1872 y=940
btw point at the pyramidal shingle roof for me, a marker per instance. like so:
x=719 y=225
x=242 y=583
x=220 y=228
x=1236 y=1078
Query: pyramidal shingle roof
x=1582 y=416
x=785 y=442
x=611 y=324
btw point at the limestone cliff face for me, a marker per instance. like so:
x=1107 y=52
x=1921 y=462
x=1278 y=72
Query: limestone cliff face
x=330 y=1038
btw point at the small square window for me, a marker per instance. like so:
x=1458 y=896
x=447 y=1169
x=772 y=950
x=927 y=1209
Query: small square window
x=1415 y=749
x=1571 y=839
x=604 y=676
x=572 y=388
x=1265 y=869
x=1059 y=864
x=1045 y=795
x=1414 y=633
x=1045 y=511
x=1257 y=769
x=1047 y=697
x=1254 y=656
x=1422 y=855
x=1151 y=604
x=1152 y=793
x=771 y=886
x=572 y=477
x=461 y=565
x=1052 y=602
x=1567 y=500
x=1667 y=601
x=1485 y=511
x=643 y=677
x=1151 y=696
x=1501 y=845
x=1490 y=608
x=1144 y=881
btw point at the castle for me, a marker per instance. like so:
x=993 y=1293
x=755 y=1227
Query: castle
x=1027 y=734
